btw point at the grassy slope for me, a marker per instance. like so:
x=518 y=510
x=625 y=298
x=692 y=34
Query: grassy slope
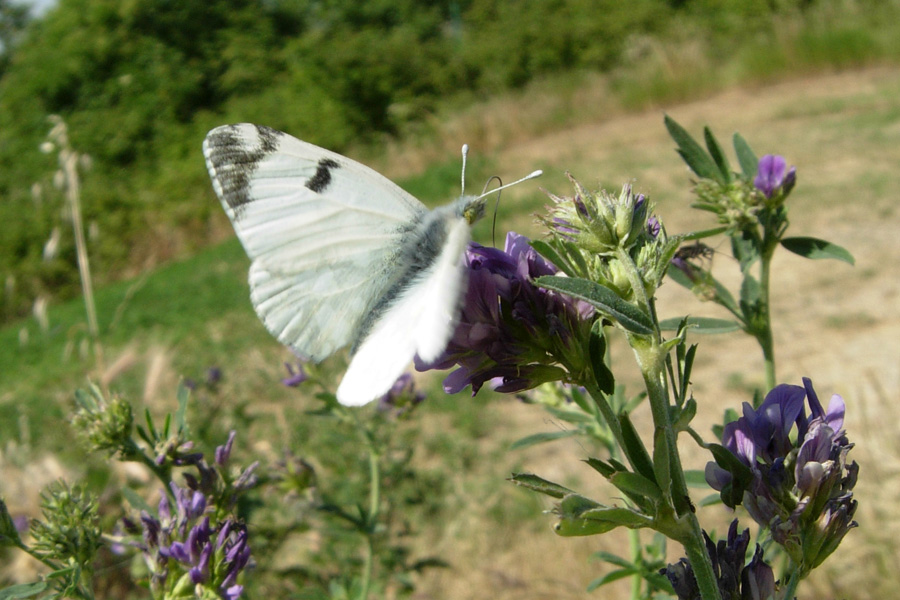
x=833 y=323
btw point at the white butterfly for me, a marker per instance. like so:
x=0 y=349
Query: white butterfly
x=340 y=255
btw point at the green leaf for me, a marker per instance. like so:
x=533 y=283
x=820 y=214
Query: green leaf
x=816 y=249
x=604 y=378
x=634 y=449
x=751 y=294
x=613 y=559
x=618 y=516
x=601 y=467
x=703 y=233
x=629 y=316
x=586 y=403
x=723 y=296
x=540 y=438
x=695 y=478
x=686 y=415
x=571 y=527
x=744 y=249
x=715 y=150
x=710 y=500
x=610 y=577
x=135 y=500
x=538 y=484
x=23 y=590
x=701 y=325
x=571 y=416
x=747 y=159
x=152 y=434
x=550 y=253
x=573 y=505
x=693 y=154
x=582 y=516
x=686 y=369
x=636 y=485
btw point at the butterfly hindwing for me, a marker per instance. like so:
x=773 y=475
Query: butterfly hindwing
x=418 y=316
x=322 y=231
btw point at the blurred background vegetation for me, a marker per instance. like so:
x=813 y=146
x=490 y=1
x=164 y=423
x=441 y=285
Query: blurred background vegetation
x=139 y=83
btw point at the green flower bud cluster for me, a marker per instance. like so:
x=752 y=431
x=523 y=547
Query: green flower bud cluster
x=736 y=204
x=106 y=425
x=612 y=240
x=69 y=530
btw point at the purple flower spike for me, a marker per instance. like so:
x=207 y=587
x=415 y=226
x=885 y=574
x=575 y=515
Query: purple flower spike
x=653 y=226
x=800 y=486
x=402 y=397
x=295 y=378
x=734 y=580
x=771 y=177
x=234 y=592
x=223 y=453
x=510 y=329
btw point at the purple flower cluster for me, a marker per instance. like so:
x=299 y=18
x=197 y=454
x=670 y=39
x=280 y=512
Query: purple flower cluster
x=755 y=581
x=186 y=549
x=181 y=546
x=771 y=178
x=800 y=487
x=402 y=398
x=511 y=332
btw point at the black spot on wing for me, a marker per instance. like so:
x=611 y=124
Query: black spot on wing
x=234 y=158
x=322 y=178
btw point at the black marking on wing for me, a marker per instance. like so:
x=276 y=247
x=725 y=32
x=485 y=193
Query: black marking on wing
x=322 y=178
x=419 y=253
x=234 y=161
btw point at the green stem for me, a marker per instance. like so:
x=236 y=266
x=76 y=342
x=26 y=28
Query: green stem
x=791 y=589
x=605 y=410
x=634 y=540
x=695 y=548
x=765 y=336
x=372 y=517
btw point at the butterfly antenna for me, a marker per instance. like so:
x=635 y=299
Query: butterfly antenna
x=485 y=192
x=533 y=175
x=465 y=154
x=496 y=206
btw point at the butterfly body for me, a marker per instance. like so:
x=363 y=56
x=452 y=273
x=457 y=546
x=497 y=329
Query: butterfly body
x=340 y=255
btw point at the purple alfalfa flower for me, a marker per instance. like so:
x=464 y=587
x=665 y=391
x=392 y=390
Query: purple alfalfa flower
x=295 y=377
x=800 y=486
x=771 y=177
x=402 y=397
x=247 y=479
x=653 y=226
x=510 y=331
x=233 y=593
x=234 y=550
x=223 y=452
x=758 y=578
x=733 y=577
x=190 y=504
x=213 y=377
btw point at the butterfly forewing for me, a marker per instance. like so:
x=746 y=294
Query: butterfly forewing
x=322 y=232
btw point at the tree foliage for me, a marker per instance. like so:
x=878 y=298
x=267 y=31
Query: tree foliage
x=139 y=83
